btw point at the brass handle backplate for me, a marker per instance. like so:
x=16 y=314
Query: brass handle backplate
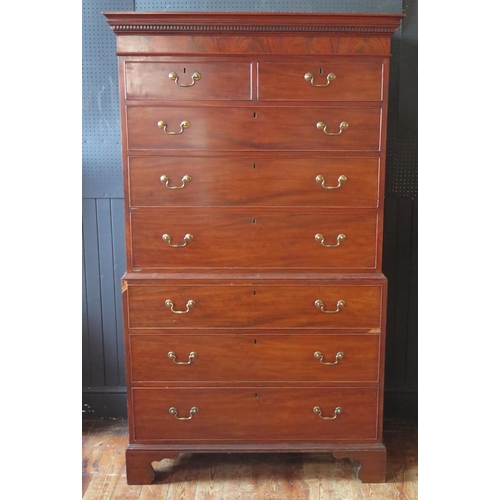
x=163 y=125
x=308 y=77
x=192 y=411
x=189 y=304
x=319 y=237
x=187 y=238
x=166 y=180
x=175 y=77
x=192 y=355
x=338 y=357
x=321 y=180
x=322 y=126
x=336 y=413
x=319 y=303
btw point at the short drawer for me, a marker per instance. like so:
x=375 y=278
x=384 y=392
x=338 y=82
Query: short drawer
x=181 y=181
x=259 y=306
x=253 y=128
x=254 y=358
x=190 y=81
x=216 y=238
x=254 y=414
x=340 y=80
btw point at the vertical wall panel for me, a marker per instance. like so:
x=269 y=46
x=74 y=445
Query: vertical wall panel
x=86 y=369
x=93 y=292
x=402 y=285
x=411 y=378
x=108 y=304
x=389 y=268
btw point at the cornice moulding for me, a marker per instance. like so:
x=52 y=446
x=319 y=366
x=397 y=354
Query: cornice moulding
x=252 y=23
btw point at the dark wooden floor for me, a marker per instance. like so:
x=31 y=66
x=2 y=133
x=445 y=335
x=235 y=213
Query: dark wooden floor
x=290 y=476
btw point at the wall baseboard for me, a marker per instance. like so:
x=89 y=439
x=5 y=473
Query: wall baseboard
x=399 y=404
x=104 y=403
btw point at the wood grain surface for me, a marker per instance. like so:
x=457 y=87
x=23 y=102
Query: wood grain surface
x=246 y=476
x=266 y=307
x=253 y=415
x=218 y=81
x=351 y=81
x=252 y=128
x=255 y=239
x=243 y=181
x=244 y=357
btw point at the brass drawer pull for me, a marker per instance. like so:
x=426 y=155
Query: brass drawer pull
x=166 y=180
x=336 y=412
x=322 y=126
x=163 y=125
x=308 y=77
x=175 y=77
x=319 y=237
x=187 y=238
x=319 y=303
x=338 y=357
x=321 y=180
x=192 y=411
x=189 y=303
x=192 y=355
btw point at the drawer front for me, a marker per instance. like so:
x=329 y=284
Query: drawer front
x=252 y=239
x=262 y=182
x=254 y=414
x=320 y=81
x=253 y=128
x=190 y=81
x=258 y=306
x=254 y=358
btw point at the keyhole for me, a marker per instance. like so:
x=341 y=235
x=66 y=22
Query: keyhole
x=184 y=70
x=320 y=71
x=255 y=115
x=254 y=221
x=254 y=341
x=256 y=395
x=254 y=165
x=255 y=293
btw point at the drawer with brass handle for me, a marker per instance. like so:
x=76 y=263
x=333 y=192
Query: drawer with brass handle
x=293 y=306
x=188 y=81
x=253 y=128
x=159 y=358
x=230 y=414
x=211 y=237
x=244 y=181
x=339 y=80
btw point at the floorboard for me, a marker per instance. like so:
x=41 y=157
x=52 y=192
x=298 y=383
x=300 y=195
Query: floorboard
x=279 y=476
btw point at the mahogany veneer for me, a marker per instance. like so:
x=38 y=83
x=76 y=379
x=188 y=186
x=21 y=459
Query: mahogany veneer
x=224 y=181
x=254 y=304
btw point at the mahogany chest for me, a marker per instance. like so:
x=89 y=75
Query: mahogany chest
x=254 y=301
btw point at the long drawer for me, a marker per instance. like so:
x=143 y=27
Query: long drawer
x=254 y=414
x=211 y=238
x=253 y=128
x=243 y=181
x=258 y=306
x=254 y=358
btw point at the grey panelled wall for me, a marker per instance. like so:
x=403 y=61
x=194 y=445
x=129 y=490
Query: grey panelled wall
x=103 y=377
